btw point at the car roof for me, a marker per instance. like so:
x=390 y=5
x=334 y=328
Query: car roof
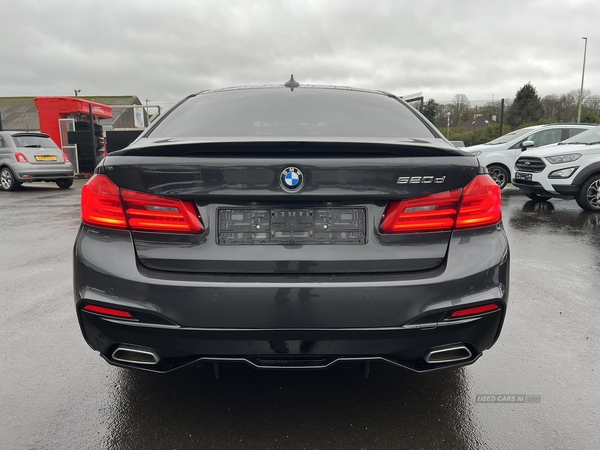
x=550 y=125
x=566 y=124
x=301 y=86
x=26 y=133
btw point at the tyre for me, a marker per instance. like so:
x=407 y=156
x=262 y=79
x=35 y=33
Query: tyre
x=537 y=197
x=500 y=175
x=65 y=183
x=7 y=180
x=588 y=196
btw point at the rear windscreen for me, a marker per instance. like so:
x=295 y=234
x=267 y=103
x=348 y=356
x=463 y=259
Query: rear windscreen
x=280 y=112
x=34 y=141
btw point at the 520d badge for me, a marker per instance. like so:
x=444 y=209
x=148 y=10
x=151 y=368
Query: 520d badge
x=421 y=180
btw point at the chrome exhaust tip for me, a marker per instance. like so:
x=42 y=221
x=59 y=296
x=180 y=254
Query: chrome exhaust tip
x=135 y=355
x=447 y=355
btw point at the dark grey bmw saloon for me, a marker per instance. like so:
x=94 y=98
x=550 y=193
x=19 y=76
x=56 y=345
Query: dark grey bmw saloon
x=291 y=226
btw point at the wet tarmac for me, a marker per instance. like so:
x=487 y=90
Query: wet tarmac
x=56 y=393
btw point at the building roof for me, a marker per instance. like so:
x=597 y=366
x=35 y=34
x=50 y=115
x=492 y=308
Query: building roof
x=20 y=113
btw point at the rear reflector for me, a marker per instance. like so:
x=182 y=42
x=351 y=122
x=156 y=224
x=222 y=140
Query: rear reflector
x=104 y=204
x=474 y=311
x=108 y=311
x=478 y=204
x=21 y=157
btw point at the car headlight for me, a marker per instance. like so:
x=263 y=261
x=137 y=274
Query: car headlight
x=476 y=153
x=559 y=159
x=563 y=173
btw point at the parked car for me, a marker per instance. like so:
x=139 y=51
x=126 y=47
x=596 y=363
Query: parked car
x=291 y=227
x=569 y=170
x=500 y=155
x=458 y=144
x=28 y=157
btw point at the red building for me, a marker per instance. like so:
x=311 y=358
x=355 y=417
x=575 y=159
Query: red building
x=52 y=109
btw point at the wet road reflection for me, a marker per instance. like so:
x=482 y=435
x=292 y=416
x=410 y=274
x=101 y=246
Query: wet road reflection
x=545 y=214
x=265 y=409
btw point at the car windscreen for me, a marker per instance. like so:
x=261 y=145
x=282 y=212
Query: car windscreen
x=587 y=137
x=281 y=112
x=510 y=136
x=33 y=141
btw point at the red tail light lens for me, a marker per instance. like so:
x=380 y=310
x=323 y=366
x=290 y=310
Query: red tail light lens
x=479 y=204
x=108 y=311
x=101 y=203
x=104 y=204
x=146 y=212
x=21 y=157
x=474 y=311
x=66 y=157
x=435 y=212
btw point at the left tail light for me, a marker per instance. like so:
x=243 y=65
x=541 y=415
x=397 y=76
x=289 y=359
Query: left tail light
x=478 y=204
x=21 y=157
x=146 y=212
x=104 y=204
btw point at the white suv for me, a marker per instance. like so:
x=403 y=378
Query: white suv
x=568 y=170
x=500 y=155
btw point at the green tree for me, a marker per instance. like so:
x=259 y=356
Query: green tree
x=431 y=109
x=589 y=117
x=526 y=107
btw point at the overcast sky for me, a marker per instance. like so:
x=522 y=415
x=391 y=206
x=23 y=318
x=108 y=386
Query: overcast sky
x=165 y=50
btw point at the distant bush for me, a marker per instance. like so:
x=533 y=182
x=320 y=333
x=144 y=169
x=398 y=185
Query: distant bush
x=589 y=117
x=480 y=136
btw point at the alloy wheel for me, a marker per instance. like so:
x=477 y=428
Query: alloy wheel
x=499 y=175
x=6 y=179
x=593 y=194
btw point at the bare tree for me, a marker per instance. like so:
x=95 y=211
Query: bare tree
x=460 y=109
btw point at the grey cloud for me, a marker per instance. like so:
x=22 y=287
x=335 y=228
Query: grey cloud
x=166 y=50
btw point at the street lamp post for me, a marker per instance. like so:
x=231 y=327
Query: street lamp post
x=147 y=118
x=77 y=91
x=582 y=75
x=448 y=133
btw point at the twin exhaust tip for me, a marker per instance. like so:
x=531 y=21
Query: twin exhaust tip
x=447 y=355
x=135 y=355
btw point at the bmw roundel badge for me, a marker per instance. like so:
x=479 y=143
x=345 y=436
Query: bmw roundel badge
x=291 y=179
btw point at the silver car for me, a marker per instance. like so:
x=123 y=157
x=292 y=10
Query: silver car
x=28 y=157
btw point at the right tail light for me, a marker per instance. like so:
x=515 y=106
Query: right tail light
x=478 y=204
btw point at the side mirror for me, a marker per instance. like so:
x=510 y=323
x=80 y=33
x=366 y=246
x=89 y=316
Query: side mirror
x=526 y=144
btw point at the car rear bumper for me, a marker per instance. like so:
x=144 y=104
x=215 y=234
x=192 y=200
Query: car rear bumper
x=284 y=321
x=28 y=172
x=292 y=348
